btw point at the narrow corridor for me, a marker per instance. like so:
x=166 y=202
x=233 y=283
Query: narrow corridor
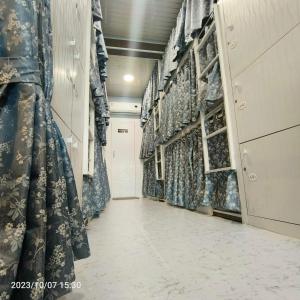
x=143 y=249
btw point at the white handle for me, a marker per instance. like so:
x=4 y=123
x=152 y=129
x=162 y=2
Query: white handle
x=75 y=145
x=69 y=140
x=230 y=27
x=72 y=43
x=244 y=160
x=232 y=45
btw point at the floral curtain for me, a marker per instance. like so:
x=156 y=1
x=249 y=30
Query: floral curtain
x=184 y=171
x=197 y=12
x=151 y=95
x=151 y=186
x=190 y=20
x=98 y=74
x=96 y=190
x=148 y=141
x=168 y=65
x=41 y=226
x=185 y=182
x=180 y=106
x=222 y=192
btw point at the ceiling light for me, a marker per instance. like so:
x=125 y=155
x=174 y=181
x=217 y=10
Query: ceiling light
x=128 y=77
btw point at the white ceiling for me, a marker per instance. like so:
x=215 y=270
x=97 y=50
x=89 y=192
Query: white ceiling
x=136 y=20
x=140 y=20
x=118 y=66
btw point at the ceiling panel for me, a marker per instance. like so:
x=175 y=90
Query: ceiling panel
x=136 y=20
x=118 y=66
x=140 y=20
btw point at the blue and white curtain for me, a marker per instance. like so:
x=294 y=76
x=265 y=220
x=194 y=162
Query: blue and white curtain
x=186 y=185
x=98 y=74
x=210 y=86
x=190 y=20
x=151 y=186
x=180 y=106
x=151 y=95
x=41 y=225
x=184 y=171
x=96 y=190
x=148 y=141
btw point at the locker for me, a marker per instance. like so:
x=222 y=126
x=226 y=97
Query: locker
x=254 y=26
x=272 y=176
x=267 y=93
x=63 y=66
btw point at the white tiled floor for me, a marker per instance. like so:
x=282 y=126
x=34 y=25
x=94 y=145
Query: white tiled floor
x=142 y=250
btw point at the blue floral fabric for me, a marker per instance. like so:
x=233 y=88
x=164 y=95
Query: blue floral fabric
x=101 y=50
x=148 y=141
x=180 y=106
x=184 y=171
x=96 y=190
x=185 y=97
x=98 y=74
x=168 y=65
x=151 y=95
x=210 y=87
x=41 y=225
x=197 y=12
x=222 y=192
x=151 y=186
x=190 y=20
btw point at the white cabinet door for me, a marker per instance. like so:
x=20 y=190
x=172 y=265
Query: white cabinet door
x=81 y=68
x=138 y=135
x=63 y=61
x=272 y=176
x=267 y=93
x=64 y=130
x=76 y=159
x=254 y=26
x=123 y=157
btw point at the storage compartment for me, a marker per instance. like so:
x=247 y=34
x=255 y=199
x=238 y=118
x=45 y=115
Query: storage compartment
x=267 y=93
x=272 y=176
x=254 y=26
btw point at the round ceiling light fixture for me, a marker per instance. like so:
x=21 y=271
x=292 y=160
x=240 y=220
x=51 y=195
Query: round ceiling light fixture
x=128 y=77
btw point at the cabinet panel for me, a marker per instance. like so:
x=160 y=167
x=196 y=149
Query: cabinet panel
x=254 y=26
x=80 y=102
x=65 y=131
x=81 y=63
x=268 y=92
x=76 y=159
x=63 y=62
x=272 y=176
